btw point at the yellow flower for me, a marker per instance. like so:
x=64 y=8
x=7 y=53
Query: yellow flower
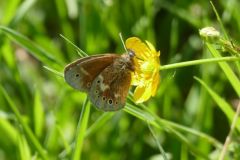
x=146 y=76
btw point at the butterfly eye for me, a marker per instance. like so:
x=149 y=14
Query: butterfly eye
x=131 y=53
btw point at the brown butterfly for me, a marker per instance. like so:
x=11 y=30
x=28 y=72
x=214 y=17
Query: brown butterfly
x=105 y=78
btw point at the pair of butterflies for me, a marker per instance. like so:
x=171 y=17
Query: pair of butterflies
x=106 y=78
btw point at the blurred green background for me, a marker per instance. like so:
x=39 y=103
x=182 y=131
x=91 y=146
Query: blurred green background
x=51 y=108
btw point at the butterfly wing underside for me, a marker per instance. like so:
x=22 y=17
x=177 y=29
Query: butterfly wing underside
x=81 y=73
x=109 y=94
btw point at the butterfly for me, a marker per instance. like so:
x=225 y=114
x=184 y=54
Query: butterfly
x=106 y=78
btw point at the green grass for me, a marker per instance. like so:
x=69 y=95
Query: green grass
x=41 y=117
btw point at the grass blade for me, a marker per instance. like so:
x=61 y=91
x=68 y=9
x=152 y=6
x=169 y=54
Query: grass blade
x=224 y=106
x=170 y=128
x=24 y=150
x=38 y=114
x=60 y=74
x=27 y=130
x=233 y=79
x=230 y=134
x=33 y=48
x=80 y=52
x=99 y=123
x=219 y=20
x=158 y=144
x=81 y=130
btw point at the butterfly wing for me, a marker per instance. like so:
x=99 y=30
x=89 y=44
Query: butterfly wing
x=81 y=73
x=110 y=88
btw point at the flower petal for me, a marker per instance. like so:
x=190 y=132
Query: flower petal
x=146 y=76
x=151 y=47
x=140 y=49
x=142 y=93
x=155 y=83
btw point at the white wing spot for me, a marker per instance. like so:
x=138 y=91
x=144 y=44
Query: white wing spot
x=103 y=86
x=117 y=95
x=100 y=77
x=84 y=71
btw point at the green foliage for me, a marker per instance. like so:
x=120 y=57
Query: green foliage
x=41 y=117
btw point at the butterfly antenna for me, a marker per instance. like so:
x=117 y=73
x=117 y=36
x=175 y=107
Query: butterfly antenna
x=120 y=35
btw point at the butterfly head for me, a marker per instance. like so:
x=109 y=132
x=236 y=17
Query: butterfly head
x=126 y=61
x=131 y=53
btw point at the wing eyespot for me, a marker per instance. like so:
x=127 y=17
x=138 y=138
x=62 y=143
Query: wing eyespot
x=88 y=84
x=98 y=81
x=110 y=101
x=103 y=98
x=77 y=75
x=96 y=91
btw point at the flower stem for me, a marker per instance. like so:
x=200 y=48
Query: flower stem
x=196 y=62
